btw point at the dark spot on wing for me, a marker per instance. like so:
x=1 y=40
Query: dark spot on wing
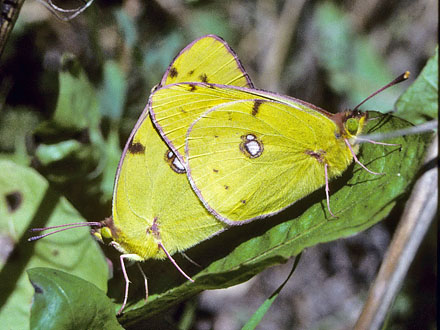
x=243 y=201
x=203 y=78
x=317 y=155
x=215 y=170
x=13 y=201
x=211 y=85
x=173 y=72
x=190 y=73
x=226 y=187
x=192 y=87
x=154 y=229
x=256 y=107
x=136 y=148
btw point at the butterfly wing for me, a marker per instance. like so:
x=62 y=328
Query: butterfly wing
x=250 y=159
x=175 y=107
x=208 y=59
x=150 y=191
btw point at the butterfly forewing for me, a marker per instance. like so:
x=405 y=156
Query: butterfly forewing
x=208 y=59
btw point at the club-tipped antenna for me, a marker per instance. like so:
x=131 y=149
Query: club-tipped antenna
x=61 y=228
x=399 y=79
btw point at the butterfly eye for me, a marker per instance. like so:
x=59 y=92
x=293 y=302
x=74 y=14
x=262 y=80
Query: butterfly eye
x=106 y=232
x=352 y=126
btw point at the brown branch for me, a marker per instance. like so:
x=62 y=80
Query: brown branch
x=419 y=212
x=9 y=11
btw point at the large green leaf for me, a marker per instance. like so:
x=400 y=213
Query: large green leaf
x=358 y=198
x=64 y=301
x=27 y=201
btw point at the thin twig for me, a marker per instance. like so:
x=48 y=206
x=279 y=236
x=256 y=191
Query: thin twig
x=8 y=15
x=425 y=127
x=416 y=219
x=275 y=57
x=70 y=13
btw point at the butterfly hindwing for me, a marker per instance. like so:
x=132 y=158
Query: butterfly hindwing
x=252 y=158
x=152 y=189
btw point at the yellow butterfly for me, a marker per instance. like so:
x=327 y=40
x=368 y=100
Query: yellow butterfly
x=235 y=163
x=155 y=213
x=248 y=153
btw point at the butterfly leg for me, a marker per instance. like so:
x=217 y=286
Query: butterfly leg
x=145 y=281
x=381 y=143
x=327 y=190
x=174 y=262
x=127 y=281
x=190 y=260
x=357 y=161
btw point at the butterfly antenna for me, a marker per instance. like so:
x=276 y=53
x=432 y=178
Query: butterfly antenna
x=61 y=228
x=399 y=79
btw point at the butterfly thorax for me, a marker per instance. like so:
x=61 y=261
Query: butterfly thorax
x=349 y=125
x=136 y=238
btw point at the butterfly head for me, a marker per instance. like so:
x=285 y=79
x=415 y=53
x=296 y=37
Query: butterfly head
x=350 y=124
x=105 y=232
x=353 y=123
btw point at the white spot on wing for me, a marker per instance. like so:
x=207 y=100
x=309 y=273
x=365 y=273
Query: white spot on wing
x=177 y=164
x=253 y=147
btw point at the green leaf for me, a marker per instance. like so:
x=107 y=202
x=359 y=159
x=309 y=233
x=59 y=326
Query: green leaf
x=64 y=301
x=358 y=198
x=77 y=106
x=48 y=154
x=113 y=92
x=262 y=310
x=127 y=27
x=27 y=201
x=420 y=102
x=112 y=151
x=15 y=125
